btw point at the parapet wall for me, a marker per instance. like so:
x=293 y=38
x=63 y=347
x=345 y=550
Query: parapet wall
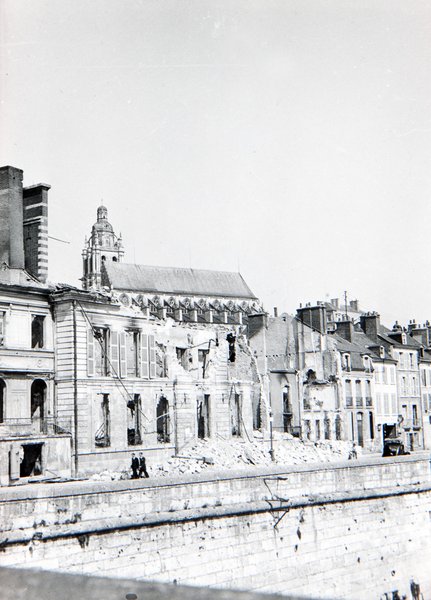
x=353 y=530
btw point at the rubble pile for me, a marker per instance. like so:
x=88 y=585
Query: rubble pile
x=239 y=454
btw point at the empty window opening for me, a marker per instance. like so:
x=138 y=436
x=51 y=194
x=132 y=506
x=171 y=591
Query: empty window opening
x=203 y=362
x=371 y=420
x=134 y=436
x=235 y=415
x=231 y=341
x=338 y=427
x=327 y=428
x=37 y=331
x=37 y=403
x=114 y=259
x=287 y=411
x=203 y=417
x=163 y=421
x=101 y=352
x=102 y=437
x=257 y=416
x=317 y=429
x=2 y=400
x=31 y=463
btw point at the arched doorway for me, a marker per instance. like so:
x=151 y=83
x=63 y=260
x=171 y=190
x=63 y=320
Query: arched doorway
x=37 y=403
x=2 y=400
x=163 y=420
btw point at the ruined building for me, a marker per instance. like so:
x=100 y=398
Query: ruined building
x=31 y=443
x=150 y=358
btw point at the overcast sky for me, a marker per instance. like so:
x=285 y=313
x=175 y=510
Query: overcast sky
x=289 y=139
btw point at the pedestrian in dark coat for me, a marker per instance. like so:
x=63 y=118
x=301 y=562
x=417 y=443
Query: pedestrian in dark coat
x=135 y=467
x=142 y=466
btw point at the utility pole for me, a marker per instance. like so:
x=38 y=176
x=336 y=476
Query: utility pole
x=345 y=303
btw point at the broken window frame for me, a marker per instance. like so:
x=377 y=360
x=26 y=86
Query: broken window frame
x=102 y=435
x=134 y=434
x=203 y=417
x=163 y=420
x=203 y=354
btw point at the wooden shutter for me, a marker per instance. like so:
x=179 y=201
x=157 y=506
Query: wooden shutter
x=90 y=352
x=123 y=358
x=114 y=353
x=144 y=355
x=152 y=356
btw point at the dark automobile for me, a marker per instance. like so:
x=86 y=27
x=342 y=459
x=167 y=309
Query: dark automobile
x=393 y=447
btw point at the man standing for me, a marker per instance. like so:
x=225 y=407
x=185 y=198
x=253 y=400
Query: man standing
x=135 y=467
x=142 y=465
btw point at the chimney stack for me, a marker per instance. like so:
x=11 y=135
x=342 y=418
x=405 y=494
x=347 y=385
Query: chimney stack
x=345 y=329
x=370 y=325
x=313 y=316
x=35 y=224
x=11 y=218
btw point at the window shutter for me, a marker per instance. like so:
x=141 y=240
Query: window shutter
x=144 y=355
x=152 y=356
x=90 y=352
x=114 y=353
x=123 y=359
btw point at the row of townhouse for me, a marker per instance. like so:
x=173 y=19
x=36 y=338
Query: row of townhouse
x=332 y=376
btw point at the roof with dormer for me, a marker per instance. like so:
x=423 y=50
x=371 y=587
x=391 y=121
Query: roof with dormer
x=174 y=280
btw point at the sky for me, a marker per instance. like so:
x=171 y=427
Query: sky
x=286 y=139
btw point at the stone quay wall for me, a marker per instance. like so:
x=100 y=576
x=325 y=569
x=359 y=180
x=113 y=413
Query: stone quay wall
x=359 y=529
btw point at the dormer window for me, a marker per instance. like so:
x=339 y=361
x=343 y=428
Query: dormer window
x=382 y=352
x=367 y=363
x=403 y=338
x=346 y=362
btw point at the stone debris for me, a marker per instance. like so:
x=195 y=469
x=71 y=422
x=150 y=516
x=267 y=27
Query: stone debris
x=239 y=454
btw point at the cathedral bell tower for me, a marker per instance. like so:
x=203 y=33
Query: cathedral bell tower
x=103 y=245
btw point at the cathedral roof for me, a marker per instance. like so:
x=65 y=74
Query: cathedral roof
x=172 y=280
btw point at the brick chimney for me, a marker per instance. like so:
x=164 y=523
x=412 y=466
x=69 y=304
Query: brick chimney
x=370 y=325
x=345 y=329
x=313 y=316
x=35 y=224
x=11 y=217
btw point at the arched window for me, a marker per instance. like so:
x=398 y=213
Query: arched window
x=114 y=259
x=163 y=420
x=37 y=403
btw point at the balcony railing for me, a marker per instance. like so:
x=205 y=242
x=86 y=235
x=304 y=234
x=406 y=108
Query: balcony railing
x=359 y=402
x=349 y=401
x=368 y=401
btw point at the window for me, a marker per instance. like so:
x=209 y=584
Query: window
x=37 y=331
x=101 y=352
x=327 y=428
x=371 y=421
x=317 y=429
x=102 y=436
x=403 y=386
x=386 y=403
x=338 y=427
x=412 y=361
x=203 y=362
x=2 y=400
x=307 y=427
x=37 y=403
x=367 y=363
x=132 y=344
x=349 y=397
x=2 y=328
x=235 y=415
x=162 y=416
x=424 y=378
x=346 y=362
x=287 y=411
x=31 y=464
x=358 y=392
x=203 y=417
x=368 y=398
x=415 y=415
x=134 y=421
x=385 y=374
